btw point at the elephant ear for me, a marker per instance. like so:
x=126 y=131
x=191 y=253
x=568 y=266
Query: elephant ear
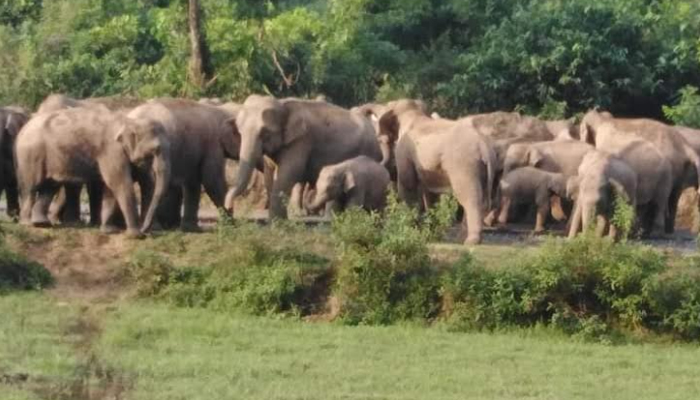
x=620 y=190
x=231 y=140
x=389 y=126
x=14 y=123
x=297 y=125
x=349 y=182
x=535 y=157
x=126 y=136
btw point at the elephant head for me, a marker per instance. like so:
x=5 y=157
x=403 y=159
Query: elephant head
x=266 y=125
x=14 y=120
x=590 y=123
x=597 y=197
x=147 y=145
x=332 y=184
x=520 y=155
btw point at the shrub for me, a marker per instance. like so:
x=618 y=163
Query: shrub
x=587 y=285
x=19 y=273
x=687 y=110
x=675 y=302
x=384 y=271
x=250 y=277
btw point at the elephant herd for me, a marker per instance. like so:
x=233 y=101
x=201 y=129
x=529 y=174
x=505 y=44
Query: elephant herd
x=171 y=149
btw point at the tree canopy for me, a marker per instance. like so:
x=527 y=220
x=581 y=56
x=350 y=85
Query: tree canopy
x=550 y=57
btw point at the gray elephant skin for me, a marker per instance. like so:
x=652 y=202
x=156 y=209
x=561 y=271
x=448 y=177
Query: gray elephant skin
x=684 y=162
x=81 y=145
x=359 y=182
x=12 y=119
x=530 y=185
x=436 y=156
x=201 y=139
x=602 y=177
x=300 y=137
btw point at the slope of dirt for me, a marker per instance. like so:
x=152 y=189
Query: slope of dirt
x=85 y=263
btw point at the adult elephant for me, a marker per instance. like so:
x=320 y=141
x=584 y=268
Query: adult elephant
x=300 y=137
x=65 y=208
x=435 y=156
x=601 y=128
x=202 y=138
x=81 y=145
x=12 y=119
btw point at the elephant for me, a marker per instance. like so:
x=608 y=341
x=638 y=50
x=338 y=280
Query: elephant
x=553 y=156
x=65 y=208
x=602 y=177
x=358 y=182
x=438 y=155
x=202 y=138
x=86 y=144
x=531 y=185
x=12 y=119
x=601 y=128
x=300 y=137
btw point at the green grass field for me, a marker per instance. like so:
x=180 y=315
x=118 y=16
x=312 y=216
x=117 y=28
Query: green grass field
x=90 y=338
x=145 y=351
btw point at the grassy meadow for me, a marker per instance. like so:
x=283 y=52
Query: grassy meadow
x=103 y=332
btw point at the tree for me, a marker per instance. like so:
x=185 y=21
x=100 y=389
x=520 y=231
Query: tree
x=197 y=68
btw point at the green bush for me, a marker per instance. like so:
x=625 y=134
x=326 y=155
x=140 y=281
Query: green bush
x=384 y=271
x=687 y=110
x=19 y=273
x=250 y=277
x=586 y=285
x=675 y=302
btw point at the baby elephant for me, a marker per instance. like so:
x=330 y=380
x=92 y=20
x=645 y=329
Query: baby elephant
x=530 y=185
x=359 y=182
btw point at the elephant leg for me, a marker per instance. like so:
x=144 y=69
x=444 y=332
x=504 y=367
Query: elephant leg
x=192 y=194
x=670 y=225
x=108 y=210
x=557 y=210
x=290 y=171
x=40 y=210
x=601 y=225
x=543 y=209
x=575 y=223
x=505 y=209
x=469 y=193
x=169 y=212
x=408 y=186
x=296 y=206
x=118 y=180
x=27 y=204
x=71 y=211
x=94 y=190
x=12 y=198
x=57 y=206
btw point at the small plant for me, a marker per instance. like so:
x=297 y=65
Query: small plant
x=19 y=273
x=687 y=110
x=623 y=217
x=385 y=273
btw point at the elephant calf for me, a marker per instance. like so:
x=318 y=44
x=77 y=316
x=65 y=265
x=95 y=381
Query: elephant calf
x=530 y=185
x=358 y=182
x=601 y=178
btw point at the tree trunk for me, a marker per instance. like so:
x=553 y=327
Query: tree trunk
x=197 y=45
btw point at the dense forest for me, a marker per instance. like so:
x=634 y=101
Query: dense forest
x=548 y=57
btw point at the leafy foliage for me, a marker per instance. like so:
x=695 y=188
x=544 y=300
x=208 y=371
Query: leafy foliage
x=553 y=58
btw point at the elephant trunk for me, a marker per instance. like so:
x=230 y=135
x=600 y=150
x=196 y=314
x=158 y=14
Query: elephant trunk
x=161 y=172
x=318 y=202
x=386 y=153
x=251 y=155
